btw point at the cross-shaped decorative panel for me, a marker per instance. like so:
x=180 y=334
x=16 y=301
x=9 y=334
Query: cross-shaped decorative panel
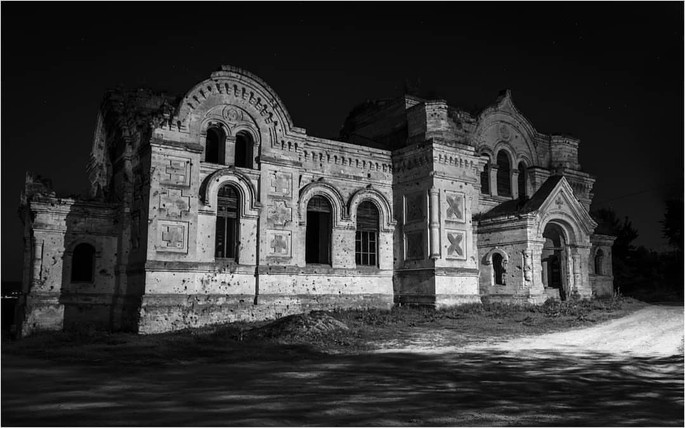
x=455 y=207
x=281 y=183
x=559 y=202
x=456 y=244
x=279 y=243
x=279 y=213
x=173 y=202
x=172 y=236
x=175 y=171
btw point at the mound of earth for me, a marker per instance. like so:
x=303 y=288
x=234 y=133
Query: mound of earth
x=315 y=322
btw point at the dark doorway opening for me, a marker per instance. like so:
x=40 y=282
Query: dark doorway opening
x=554 y=259
x=318 y=240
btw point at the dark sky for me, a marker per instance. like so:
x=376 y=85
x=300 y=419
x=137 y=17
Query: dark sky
x=608 y=73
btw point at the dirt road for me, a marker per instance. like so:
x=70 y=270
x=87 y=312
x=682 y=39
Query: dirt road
x=652 y=331
x=656 y=330
x=620 y=373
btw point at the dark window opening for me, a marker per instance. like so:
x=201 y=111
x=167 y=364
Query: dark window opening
x=83 y=263
x=503 y=174
x=498 y=266
x=215 y=145
x=485 y=179
x=243 y=150
x=318 y=239
x=227 y=224
x=366 y=238
x=522 y=181
x=599 y=260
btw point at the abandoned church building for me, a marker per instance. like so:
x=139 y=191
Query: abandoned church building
x=214 y=207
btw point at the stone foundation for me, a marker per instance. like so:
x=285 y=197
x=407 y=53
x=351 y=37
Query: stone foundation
x=162 y=313
x=40 y=312
x=437 y=287
x=602 y=286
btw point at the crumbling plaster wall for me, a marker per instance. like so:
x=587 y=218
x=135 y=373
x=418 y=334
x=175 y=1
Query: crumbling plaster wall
x=53 y=301
x=289 y=169
x=435 y=195
x=602 y=282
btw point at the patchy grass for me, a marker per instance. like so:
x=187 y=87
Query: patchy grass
x=366 y=329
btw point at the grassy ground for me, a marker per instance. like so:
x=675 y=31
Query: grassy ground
x=366 y=330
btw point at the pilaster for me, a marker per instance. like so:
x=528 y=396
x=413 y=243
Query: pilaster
x=493 y=179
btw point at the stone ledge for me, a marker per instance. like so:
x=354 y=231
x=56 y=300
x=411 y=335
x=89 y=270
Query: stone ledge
x=439 y=271
x=322 y=270
x=162 y=313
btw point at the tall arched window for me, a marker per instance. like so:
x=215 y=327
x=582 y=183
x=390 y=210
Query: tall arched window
x=227 y=224
x=243 y=149
x=318 y=239
x=366 y=238
x=599 y=262
x=215 y=146
x=498 y=267
x=485 y=179
x=522 y=180
x=503 y=174
x=83 y=263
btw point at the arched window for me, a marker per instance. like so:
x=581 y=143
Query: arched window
x=227 y=224
x=215 y=146
x=503 y=174
x=318 y=239
x=498 y=267
x=366 y=238
x=599 y=262
x=485 y=179
x=522 y=180
x=243 y=149
x=83 y=263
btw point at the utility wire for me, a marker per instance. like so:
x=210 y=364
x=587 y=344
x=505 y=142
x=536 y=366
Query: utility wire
x=648 y=190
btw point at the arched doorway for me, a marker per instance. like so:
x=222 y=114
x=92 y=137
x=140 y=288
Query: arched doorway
x=554 y=259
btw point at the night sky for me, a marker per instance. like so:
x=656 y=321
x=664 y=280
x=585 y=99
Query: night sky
x=610 y=74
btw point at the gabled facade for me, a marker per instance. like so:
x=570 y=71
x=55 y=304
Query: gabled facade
x=215 y=207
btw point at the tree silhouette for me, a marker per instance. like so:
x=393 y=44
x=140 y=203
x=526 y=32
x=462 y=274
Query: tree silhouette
x=672 y=224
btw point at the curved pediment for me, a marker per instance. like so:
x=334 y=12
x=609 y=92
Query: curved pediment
x=503 y=125
x=555 y=201
x=232 y=86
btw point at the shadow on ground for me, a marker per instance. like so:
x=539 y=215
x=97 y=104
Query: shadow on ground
x=294 y=386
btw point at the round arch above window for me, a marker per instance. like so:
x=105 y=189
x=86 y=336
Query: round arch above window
x=320 y=188
x=209 y=189
x=387 y=223
x=504 y=168
x=244 y=149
